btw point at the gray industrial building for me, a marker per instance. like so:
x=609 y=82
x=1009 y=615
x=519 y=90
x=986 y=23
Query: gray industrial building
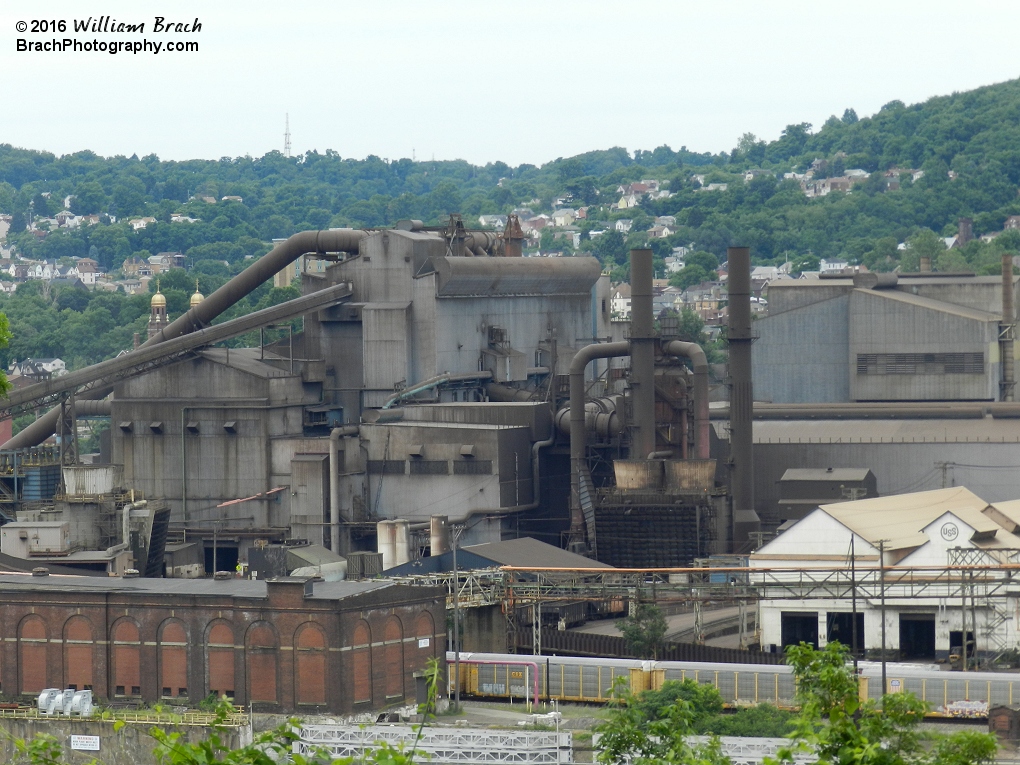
x=437 y=374
x=879 y=337
x=420 y=325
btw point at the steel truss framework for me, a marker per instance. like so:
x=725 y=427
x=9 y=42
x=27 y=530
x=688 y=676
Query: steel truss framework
x=441 y=745
x=524 y=586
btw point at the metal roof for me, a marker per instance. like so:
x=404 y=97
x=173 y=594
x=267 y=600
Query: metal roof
x=899 y=519
x=232 y=588
x=825 y=474
x=931 y=304
x=531 y=552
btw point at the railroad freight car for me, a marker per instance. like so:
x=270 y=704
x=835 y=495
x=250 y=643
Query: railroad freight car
x=590 y=680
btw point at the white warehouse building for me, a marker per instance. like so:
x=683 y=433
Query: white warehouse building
x=946 y=555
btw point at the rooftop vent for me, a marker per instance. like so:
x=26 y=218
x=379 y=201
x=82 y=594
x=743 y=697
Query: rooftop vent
x=40 y=571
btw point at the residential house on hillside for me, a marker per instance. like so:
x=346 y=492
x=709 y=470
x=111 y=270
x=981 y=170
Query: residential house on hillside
x=660 y=232
x=563 y=217
x=88 y=271
x=139 y=223
x=182 y=218
x=708 y=301
x=666 y=220
x=624 y=225
x=832 y=265
x=133 y=267
x=492 y=221
x=232 y=198
x=39 y=368
x=674 y=264
x=620 y=301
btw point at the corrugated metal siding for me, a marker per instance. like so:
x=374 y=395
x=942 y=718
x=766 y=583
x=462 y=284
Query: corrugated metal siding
x=89 y=480
x=802 y=355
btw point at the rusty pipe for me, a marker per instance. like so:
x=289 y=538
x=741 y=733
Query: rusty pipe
x=201 y=315
x=600 y=416
x=578 y=434
x=699 y=361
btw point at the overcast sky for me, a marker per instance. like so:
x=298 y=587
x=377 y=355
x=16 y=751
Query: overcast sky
x=483 y=81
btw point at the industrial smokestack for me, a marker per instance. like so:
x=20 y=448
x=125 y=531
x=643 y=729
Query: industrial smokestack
x=745 y=519
x=1007 y=330
x=642 y=355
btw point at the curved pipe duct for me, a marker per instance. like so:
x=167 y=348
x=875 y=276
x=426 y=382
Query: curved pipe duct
x=285 y=253
x=600 y=416
x=577 y=429
x=694 y=352
x=434 y=382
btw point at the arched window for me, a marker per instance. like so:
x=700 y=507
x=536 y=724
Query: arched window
x=32 y=654
x=425 y=632
x=220 y=659
x=361 y=662
x=261 y=651
x=79 y=652
x=127 y=672
x=393 y=658
x=173 y=660
x=310 y=665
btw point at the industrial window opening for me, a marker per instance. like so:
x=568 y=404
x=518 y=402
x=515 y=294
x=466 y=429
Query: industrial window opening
x=921 y=363
x=799 y=627
x=917 y=636
x=840 y=626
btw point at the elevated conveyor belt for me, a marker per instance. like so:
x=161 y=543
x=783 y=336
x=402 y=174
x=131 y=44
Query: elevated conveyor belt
x=146 y=358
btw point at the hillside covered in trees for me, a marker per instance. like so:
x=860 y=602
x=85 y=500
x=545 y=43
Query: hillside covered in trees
x=966 y=144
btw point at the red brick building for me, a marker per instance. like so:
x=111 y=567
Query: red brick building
x=283 y=645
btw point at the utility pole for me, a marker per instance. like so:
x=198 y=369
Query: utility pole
x=963 y=616
x=881 y=579
x=853 y=599
x=455 y=539
x=286 y=137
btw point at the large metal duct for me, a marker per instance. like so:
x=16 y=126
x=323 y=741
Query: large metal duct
x=745 y=519
x=285 y=253
x=1007 y=330
x=578 y=436
x=694 y=352
x=487 y=277
x=600 y=417
x=642 y=356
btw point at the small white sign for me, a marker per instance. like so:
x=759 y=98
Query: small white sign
x=85 y=743
x=423 y=642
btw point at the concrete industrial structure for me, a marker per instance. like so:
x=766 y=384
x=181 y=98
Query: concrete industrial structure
x=436 y=371
x=913 y=533
x=286 y=645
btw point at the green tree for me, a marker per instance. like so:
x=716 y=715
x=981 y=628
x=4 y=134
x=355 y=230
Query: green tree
x=629 y=735
x=839 y=728
x=688 y=276
x=644 y=630
x=924 y=244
